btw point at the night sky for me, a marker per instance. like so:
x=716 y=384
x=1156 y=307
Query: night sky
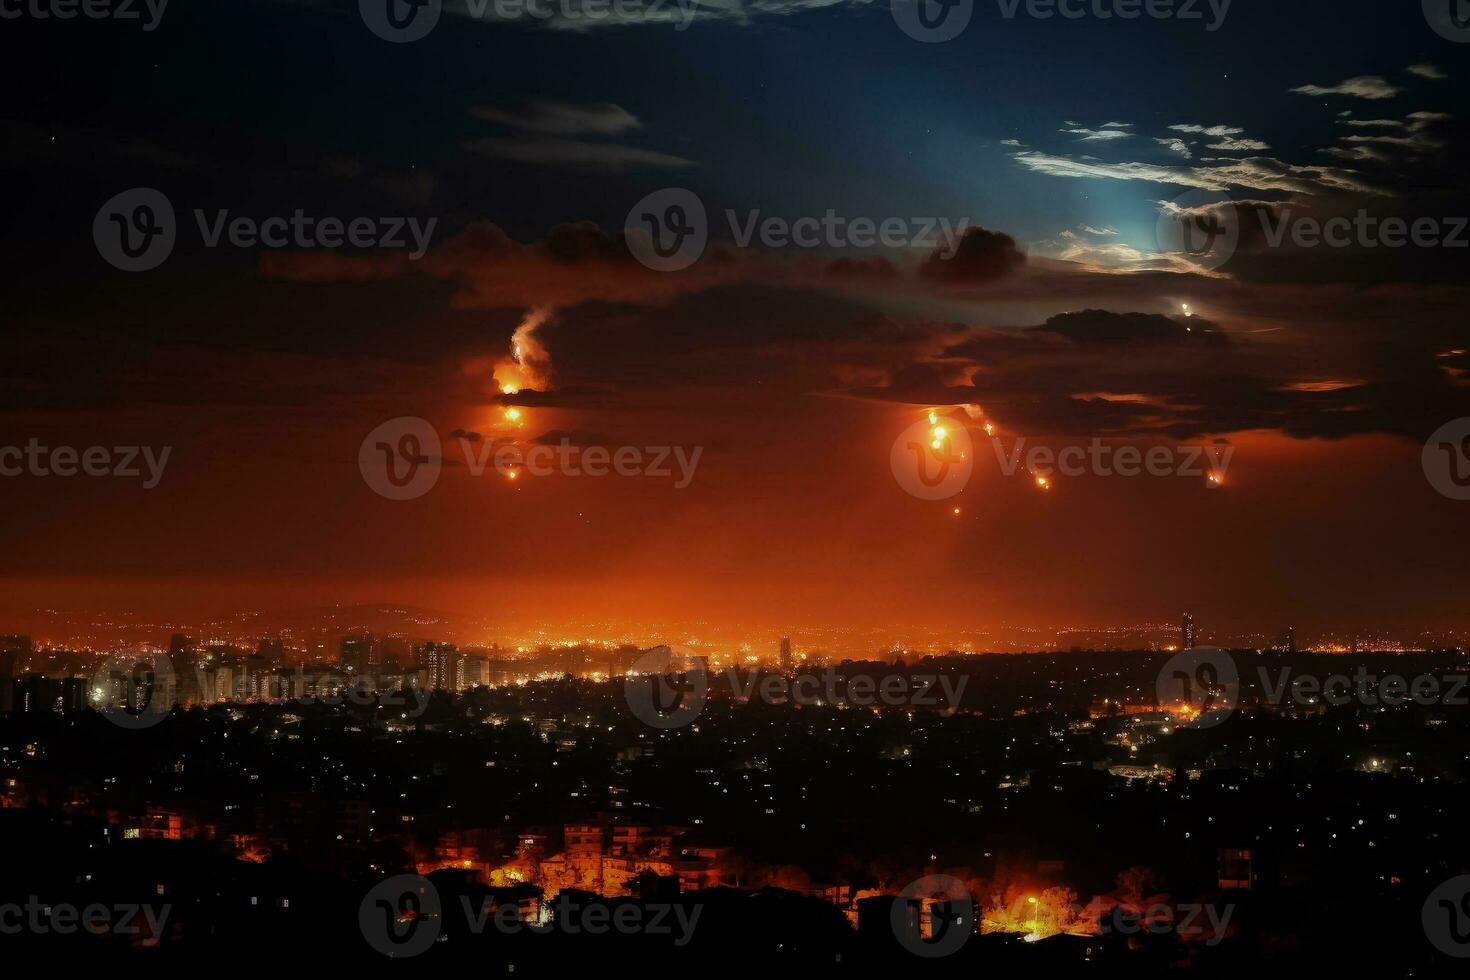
x=795 y=369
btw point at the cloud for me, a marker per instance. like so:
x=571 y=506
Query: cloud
x=1431 y=72
x=576 y=154
x=1361 y=87
x=1227 y=136
x=1418 y=133
x=1255 y=173
x=1177 y=145
x=980 y=256
x=1135 y=374
x=1216 y=131
x=1104 y=327
x=1089 y=135
x=574 y=263
x=1230 y=143
x=563 y=118
x=545 y=131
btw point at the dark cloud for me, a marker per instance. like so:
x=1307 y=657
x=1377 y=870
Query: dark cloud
x=543 y=134
x=575 y=154
x=563 y=118
x=1269 y=348
x=980 y=256
x=1103 y=327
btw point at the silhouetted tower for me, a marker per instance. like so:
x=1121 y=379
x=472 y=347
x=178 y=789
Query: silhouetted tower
x=357 y=653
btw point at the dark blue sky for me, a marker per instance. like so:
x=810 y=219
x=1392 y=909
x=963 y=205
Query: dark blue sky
x=793 y=114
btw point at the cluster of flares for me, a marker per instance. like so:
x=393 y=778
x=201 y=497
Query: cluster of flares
x=529 y=365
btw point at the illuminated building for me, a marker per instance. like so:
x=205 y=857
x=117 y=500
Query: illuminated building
x=1186 y=633
x=470 y=671
x=785 y=653
x=357 y=654
x=1234 y=868
x=437 y=661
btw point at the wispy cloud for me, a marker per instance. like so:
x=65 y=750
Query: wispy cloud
x=1093 y=135
x=1432 y=72
x=1360 y=87
x=545 y=131
x=1255 y=173
x=1231 y=143
x=1216 y=131
x=563 y=118
x=574 y=153
x=1177 y=145
x=1417 y=133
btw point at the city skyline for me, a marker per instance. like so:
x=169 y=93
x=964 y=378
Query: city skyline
x=726 y=442
x=809 y=488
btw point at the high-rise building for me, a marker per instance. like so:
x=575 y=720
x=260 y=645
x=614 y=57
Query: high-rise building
x=785 y=653
x=437 y=661
x=470 y=671
x=1186 y=633
x=357 y=653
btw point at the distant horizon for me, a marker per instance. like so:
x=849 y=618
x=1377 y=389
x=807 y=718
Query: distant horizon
x=315 y=623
